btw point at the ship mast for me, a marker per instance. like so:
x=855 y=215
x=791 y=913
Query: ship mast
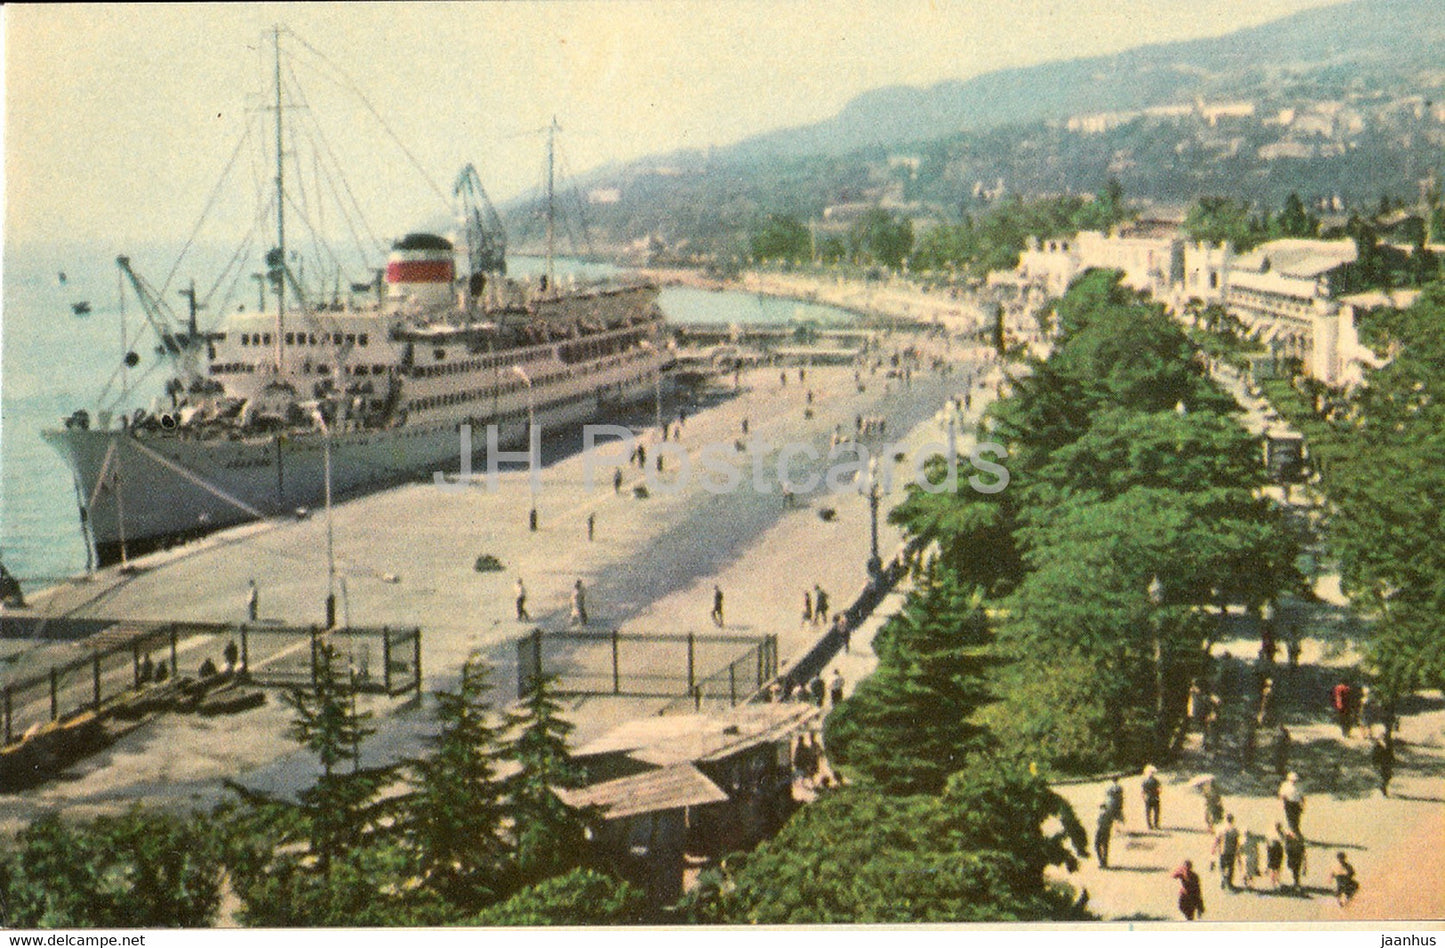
x=280 y=209
x=551 y=204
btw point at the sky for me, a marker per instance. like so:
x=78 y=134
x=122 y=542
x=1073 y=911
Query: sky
x=120 y=118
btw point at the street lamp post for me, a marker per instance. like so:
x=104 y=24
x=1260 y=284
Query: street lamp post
x=531 y=426
x=875 y=495
x=330 y=534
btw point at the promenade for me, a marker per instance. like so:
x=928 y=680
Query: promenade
x=405 y=557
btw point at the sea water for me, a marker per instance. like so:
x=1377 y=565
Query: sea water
x=53 y=362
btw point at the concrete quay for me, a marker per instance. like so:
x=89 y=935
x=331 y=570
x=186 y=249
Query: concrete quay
x=405 y=557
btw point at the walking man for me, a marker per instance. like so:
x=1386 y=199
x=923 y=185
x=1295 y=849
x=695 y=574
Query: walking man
x=1103 y=828
x=1151 y=790
x=835 y=689
x=1226 y=846
x=1294 y=855
x=522 y=615
x=1383 y=757
x=717 y=606
x=617 y=480
x=820 y=605
x=807 y=607
x=1293 y=799
x=1114 y=800
x=579 y=604
x=591 y=526
x=253 y=602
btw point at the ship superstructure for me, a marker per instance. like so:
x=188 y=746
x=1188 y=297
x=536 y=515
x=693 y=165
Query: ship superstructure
x=382 y=379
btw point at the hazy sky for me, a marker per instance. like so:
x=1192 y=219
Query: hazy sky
x=120 y=118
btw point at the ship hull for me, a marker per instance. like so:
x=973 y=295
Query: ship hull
x=140 y=493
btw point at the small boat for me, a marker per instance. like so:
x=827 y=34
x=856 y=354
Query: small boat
x=81 y=309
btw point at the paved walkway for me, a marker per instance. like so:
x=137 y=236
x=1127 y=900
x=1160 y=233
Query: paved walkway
x=406 y=558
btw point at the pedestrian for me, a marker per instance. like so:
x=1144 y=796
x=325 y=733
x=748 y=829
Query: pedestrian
x=1293 y=799
x=1213 y=804
x=817 y=690
x=745 y=427
x=253 y=602
x=1343 y=875
x=1191 y=897
x=835 y=689
x=1151 y=790
x=801 y=375
x=1211 y=722
x=1226 y=847
x=717 y=606
x=1364 y=715
x=844 y=632
x=1114 y=800
x=1293 y=649
x=1266 y=695
x=617 y=480
x=1252 y=842
x=1294 y=856
x=642 y=457
x=1382 y=755
x=820 y=605
x=1103 y=828
x=522 y=615
x=1342 y=699
x=1195 y=710
x=782 y=380
x=1274 y=855
x=681 y=419
x=807 y=607
x=1281 y=751
x=579 y=604
x=147 y=670
x=591 y=526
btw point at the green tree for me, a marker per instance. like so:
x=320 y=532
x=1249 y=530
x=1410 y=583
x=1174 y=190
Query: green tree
x=142 y=869
x=908 y=725
x=581 y=897
x=780 y=237
x=452 y=818
x=549 y=837
x=340 y=804
x=1294 y=220
x=1221 y=219
x=977 y=852
x=881 y=238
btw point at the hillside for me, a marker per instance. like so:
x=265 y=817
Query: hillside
x=1342 y=104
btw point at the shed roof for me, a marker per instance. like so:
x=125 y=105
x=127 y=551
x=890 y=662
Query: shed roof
x=666 y=788
x=669 y=739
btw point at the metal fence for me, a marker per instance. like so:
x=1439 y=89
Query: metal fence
x=119 y=661
x=640 y=665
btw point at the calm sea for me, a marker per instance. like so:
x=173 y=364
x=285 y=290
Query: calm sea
x=53 y=362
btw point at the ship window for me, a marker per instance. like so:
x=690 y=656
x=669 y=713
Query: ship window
x=245 y=339
x=311 y=339
x=359 y=370
x=350 y=338
x=336 y=339
x=290 y=339
x=362 y=339
x=266 y=338
x=378 y=370
x=439 y=354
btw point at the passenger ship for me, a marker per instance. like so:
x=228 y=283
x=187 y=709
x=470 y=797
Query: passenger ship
x=383 y=387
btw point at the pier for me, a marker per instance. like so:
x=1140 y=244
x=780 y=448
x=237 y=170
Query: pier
x=406 y=558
